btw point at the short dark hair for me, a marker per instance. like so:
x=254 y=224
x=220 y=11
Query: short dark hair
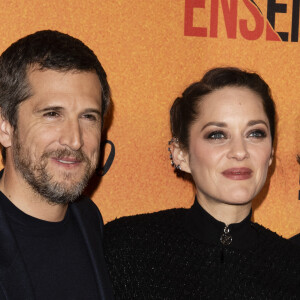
x=184 y=110
x=45 y=49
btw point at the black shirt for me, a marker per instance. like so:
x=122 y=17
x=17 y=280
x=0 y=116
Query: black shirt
x=55 y=255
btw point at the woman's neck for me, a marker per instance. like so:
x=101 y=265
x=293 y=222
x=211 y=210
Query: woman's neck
x=224 y=212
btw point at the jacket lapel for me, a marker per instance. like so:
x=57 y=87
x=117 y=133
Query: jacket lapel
x=91 y=230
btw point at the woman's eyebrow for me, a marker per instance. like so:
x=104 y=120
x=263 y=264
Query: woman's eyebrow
x=255 y=122
x=218 y=124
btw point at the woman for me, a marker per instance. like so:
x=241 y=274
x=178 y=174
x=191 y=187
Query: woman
x=223 y=130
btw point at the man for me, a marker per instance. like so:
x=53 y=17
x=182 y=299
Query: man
x=53 y=97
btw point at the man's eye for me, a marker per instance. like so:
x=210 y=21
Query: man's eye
x=51 y=114
x=258 y=134
x=90 y=117
x=216 y=135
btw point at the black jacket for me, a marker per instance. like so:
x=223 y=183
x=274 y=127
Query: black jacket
x=14 y=280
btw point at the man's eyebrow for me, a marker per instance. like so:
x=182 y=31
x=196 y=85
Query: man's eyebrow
x=92 y=110
x=60 y=108
x=49 y=108
x=218 y=124
x=255 y=122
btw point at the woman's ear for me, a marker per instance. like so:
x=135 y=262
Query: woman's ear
x=6 y=131
x=179 y=157
x=271 y=157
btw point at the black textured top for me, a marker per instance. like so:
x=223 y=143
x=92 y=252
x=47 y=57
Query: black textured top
x=178 y=254
x=296 y=239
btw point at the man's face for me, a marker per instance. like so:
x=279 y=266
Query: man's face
x=55 y=146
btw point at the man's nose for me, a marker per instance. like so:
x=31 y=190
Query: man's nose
x=71 y=135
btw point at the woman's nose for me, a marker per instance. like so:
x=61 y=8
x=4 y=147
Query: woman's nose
x=238 y=149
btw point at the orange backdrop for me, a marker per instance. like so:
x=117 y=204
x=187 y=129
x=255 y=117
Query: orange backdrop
x=150 y=57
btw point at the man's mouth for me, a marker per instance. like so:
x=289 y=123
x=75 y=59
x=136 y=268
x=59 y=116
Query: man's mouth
x=66 y=158
x=67 y=162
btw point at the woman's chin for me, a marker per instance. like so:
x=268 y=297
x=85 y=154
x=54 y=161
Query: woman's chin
x=239 y=197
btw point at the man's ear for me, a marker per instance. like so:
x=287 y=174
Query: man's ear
x=6 y=131
x=180 y=157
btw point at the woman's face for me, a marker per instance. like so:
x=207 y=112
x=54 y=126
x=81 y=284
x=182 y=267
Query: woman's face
x=230 y=146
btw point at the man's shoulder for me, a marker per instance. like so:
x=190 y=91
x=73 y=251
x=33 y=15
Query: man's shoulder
x=84 y=208
x=85 y=205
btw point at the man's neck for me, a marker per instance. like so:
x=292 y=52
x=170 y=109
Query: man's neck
x=20 y=193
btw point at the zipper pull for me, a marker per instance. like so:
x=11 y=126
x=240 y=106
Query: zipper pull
x=226 y=238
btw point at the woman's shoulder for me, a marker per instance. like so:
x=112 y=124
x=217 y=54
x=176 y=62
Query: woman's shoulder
x=272 y=242
x=139 y=233
x=296 y=239
x=149 y=221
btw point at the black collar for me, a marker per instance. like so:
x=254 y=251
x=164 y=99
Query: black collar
x=206 y=228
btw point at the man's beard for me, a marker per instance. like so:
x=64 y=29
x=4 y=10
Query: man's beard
x=36 y=175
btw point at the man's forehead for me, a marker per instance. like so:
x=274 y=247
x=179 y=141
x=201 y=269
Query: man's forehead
x=36 y=69
x=59 y=79
x=57 y=86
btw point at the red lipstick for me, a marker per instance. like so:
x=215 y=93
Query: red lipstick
x=238 y=173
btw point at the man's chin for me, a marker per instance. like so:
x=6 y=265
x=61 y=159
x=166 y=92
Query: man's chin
x=63 y=195
x=67 y=176
x=60 y=192
x=63 y=200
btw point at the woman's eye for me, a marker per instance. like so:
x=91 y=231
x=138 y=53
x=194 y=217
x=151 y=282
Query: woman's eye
x=258 y=134
x=216 y=135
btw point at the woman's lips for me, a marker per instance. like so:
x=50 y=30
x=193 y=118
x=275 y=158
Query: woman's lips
x=238 y=173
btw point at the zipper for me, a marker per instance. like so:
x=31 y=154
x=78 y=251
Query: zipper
x=226 y=240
